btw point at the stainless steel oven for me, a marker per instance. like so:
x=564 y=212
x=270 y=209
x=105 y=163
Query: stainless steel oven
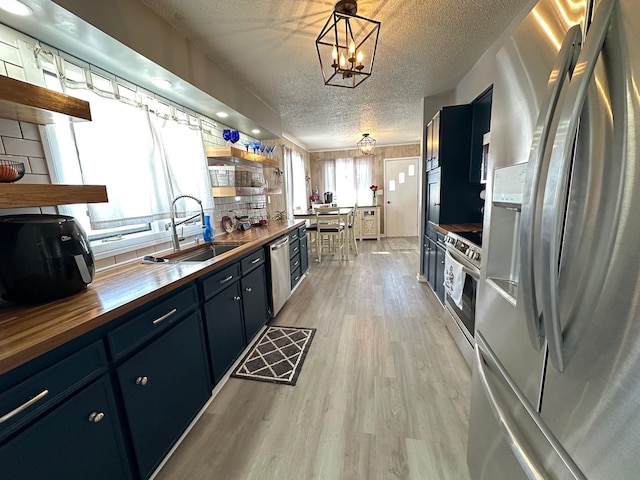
x=466 y=255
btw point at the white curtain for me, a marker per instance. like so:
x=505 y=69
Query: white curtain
x=348 y=178
x=144 y=160
x=117 y=149
x=182 y=154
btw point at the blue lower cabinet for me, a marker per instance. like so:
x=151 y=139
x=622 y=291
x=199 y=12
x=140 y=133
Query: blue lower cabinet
x=163 y=388
x=78 y=440
x=254 y=301
x=225 y=329
x=304 y=254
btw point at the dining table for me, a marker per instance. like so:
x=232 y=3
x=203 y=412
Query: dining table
x=343 y=211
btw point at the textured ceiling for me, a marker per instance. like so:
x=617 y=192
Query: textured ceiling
x=425 y=47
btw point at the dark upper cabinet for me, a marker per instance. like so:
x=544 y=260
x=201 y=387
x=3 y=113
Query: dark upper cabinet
x=481 y=124
x=449 y=196
x=432 y=207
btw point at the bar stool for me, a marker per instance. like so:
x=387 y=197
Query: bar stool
x=330 y=232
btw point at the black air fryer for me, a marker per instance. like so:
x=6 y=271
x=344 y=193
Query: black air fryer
x=43 y=258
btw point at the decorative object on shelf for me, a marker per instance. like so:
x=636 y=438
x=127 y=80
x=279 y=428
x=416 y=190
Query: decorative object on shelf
x=374 y=190
x=11 y=171
x=208 y=233
x=235 y=136
x=347 y=46
x=366 y=145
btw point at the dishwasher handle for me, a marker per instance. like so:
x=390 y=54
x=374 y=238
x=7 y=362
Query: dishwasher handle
x=279 y=244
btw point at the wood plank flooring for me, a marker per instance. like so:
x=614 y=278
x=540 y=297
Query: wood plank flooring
x=383 y=393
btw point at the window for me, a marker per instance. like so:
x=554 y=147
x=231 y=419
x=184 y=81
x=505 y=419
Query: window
x=348 y=178
x=143 y=149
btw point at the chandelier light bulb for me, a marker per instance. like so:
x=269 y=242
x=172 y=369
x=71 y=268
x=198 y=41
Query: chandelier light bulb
x=359 y=58
x=334 y=53
x=343 y=61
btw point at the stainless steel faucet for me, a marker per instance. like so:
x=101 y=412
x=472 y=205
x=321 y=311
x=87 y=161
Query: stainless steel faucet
x=174 y=224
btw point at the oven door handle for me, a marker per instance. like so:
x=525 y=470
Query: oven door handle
x=472 y=272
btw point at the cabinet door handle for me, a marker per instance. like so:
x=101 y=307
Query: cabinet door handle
x=96 y=417
x=256 y=260
x=248 y=289
x=165 y=316
x=25 y=405
x=230 y=277
x=142 y=381
x=236 y=298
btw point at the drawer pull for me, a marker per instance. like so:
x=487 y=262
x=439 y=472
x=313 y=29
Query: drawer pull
x=296 y=264
x=236 y=298
x=230 y=277
x=248 y=289
x=165 y=316
x=25 y=405
x=142 y=381
x=256 y=260
x=96 y=417
x=297 y=278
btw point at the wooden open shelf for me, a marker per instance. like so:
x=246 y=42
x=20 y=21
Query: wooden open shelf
x=215 y=154
x=34 y=104
x=18 y=195
x=242 y=191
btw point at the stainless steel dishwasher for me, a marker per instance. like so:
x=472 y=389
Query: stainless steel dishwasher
x=280 y=273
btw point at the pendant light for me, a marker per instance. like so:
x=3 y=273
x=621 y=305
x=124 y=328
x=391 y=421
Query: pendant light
x=366 y=144
x=347 y=46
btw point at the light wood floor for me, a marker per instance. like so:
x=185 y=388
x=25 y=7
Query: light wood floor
x=383 y=393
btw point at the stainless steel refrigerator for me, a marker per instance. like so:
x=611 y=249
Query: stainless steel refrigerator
x=556 y=375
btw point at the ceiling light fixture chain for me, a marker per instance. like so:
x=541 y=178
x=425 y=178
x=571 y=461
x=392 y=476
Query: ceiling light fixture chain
x=346 y=58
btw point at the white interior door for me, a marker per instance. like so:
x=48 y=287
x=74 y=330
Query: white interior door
x=401 y=197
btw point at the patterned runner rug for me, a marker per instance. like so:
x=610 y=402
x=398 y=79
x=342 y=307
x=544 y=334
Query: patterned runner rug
x=277 y=356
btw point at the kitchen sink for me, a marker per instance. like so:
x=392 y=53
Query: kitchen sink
x=205 y=253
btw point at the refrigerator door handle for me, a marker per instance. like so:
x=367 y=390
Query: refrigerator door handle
x=557 y=186
x=539 y=146
x=526 y=458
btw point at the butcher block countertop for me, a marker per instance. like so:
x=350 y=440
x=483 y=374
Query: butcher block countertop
x=29 y=331
x=459 y=227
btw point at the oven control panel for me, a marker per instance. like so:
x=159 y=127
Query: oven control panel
x=465 y=247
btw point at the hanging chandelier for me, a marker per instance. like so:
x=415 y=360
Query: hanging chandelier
x=347 y=46
x=366 y=144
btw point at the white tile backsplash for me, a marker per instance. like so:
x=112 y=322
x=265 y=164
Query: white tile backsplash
x=38 y=166
x=10 y=54
x=14 y=71
x=19 y=146
x=30 y=131
x=10 y=128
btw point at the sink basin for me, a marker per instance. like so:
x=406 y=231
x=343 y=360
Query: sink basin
x=202 y=254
